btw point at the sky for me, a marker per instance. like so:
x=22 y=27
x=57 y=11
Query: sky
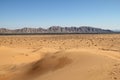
x=45 y=13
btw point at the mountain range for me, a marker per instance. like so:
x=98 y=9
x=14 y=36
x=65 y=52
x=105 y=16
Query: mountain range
x=55 y=29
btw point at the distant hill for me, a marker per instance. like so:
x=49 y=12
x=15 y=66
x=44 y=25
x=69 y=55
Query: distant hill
x=55 y=29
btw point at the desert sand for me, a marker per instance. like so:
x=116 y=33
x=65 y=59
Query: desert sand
x=60 y=57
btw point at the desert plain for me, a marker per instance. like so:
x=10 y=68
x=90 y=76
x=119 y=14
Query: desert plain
x=60 y=57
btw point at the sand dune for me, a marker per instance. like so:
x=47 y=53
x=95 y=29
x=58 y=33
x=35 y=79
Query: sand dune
x=60 y=57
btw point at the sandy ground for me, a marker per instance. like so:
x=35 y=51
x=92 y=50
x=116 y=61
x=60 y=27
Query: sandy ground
x=60 y=57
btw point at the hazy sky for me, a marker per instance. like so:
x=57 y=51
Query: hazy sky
x=45 y=13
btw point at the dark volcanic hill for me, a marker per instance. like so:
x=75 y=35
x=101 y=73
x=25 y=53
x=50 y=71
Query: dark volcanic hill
x=56 y=29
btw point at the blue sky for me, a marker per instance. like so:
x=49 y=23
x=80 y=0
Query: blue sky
x=45 y=13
